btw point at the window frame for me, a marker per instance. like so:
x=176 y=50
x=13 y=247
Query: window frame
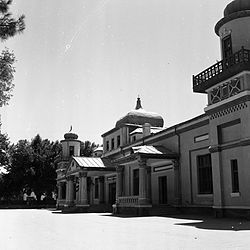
x=204 y=174
x=235 y=176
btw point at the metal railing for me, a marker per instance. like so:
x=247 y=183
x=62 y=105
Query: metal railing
x=241 y=56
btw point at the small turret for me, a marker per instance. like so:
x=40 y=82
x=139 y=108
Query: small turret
x=70 y=145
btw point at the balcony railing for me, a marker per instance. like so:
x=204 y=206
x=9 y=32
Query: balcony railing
x=128 y=200
x=221 y=70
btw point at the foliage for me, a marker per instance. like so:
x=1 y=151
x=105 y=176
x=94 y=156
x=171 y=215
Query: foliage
x=87 y=148
x=7 y=70
x=31 y=168
x=4 y=147
x=9 y=27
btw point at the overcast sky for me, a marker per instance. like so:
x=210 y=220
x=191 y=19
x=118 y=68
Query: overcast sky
x=84 y=62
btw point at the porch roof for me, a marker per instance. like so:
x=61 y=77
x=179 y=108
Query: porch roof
x=89 y=162
x=148 y=152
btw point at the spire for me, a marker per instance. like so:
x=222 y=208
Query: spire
x=138 y=103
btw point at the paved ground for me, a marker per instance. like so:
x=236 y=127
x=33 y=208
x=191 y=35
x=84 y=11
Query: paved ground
x=46 y=229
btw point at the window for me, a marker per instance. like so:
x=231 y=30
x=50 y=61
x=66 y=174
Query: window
x=136 y=182
x=205 y=181
x=134 y=138
x=227 y=46
x=112 y=143
x=235 y=176
x=71 y=150
x=118 y=141
x=107 y=145
x=96 y=188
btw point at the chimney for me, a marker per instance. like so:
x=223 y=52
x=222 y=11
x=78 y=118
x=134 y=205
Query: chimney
x=146 y=129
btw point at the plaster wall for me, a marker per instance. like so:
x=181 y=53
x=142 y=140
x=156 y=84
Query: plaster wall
x=170 y=186
x=189 y=151
x=67 y=144
x=238 y=28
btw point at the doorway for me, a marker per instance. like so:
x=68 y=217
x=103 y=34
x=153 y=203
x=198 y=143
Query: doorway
x=112 y=193
x=163 y=190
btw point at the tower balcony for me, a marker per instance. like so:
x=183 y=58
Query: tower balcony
x=222 y=70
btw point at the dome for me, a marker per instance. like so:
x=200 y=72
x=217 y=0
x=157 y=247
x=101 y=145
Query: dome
x=140 y=116
x=235 y=9
x=70 y=135
x=236 y=6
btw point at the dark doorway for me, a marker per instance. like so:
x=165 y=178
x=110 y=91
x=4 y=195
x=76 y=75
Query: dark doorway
x=112 y=193
x=227 y=47
x=163 y=190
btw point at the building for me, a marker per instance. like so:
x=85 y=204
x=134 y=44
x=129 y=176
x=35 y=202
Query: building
x=84 y=183
x=202 y=163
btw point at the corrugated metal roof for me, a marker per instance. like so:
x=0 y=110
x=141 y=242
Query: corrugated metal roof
x=152 y=130
x=157 y=150
x=146 y=150
x=89 y=162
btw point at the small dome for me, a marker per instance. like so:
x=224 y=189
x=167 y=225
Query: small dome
x=139 y=116
x=236 y=6
x=70 y=136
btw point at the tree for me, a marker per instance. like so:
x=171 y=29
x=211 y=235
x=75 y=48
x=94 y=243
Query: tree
x=31 y=168
x=4 y=147
x=87 y=148
x=9 y=27
x=18 y=171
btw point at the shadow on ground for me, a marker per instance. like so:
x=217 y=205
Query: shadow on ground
x=191 y=220
x=211 y=223
x=202 y=221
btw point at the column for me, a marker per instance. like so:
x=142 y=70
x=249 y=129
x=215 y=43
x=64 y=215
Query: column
x=217 y=180
x=142 y=182
x=59 y=185
x=149 y=187
x=70 y=186
x=119 y=180
x=83 y=197
x=101 y=189
x=177 y=193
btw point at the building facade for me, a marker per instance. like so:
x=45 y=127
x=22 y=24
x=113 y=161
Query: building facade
x=200 y=163
x=84 y=183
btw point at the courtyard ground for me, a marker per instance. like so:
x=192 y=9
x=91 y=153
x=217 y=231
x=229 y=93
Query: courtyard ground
x=48 y=229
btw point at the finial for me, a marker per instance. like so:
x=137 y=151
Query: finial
x=138 y=103
x=70 y=129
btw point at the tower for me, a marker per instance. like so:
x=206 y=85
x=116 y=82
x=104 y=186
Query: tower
x=70 y=145
x=227 y=85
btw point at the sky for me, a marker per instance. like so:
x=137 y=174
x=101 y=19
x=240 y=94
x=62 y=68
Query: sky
x=83 y=63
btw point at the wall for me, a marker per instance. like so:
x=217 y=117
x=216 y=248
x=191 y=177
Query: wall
x=189 y=150
x=239 y=32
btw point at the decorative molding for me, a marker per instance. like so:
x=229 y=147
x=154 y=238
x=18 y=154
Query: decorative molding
x=229 y=110
x=225 y=32
x=163 y=168
x=83 y=174
x=234 y=144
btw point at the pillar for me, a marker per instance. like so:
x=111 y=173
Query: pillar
x=59 y=185
x=143 y=183
x=70 y=190
x=101 y=189
x=149 y=187
x=83 y=197
x=217 y=180
x=177 y=193
x=119 y=182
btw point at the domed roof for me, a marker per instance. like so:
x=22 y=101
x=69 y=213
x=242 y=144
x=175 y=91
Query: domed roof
x=235 y=9
x=70 y=135
x=140 y=116
x=236 y=6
